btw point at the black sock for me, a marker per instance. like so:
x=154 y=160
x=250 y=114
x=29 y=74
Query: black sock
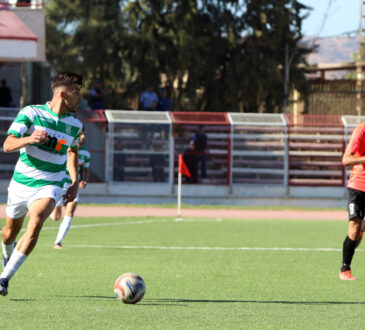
x=347 y=253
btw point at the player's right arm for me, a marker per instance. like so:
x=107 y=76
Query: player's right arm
x=14 y=143
x=350 y=159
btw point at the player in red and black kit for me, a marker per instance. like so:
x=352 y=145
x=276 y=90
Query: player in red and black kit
x=354 y=156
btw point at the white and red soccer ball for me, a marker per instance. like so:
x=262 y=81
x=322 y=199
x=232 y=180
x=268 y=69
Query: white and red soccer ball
x=129 y=288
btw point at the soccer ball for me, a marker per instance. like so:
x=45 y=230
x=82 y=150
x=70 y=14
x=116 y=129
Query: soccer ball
x=129 y=288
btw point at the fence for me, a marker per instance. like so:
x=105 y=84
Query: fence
x=242 y=148
x=316 y=145
x=259 y=148
x=139 y=146
x=214 y=158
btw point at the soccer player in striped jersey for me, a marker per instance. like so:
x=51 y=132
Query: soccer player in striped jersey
x=84 y=165
x=354 y=156
x=47 y=137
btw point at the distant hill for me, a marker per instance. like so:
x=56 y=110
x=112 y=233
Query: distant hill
x=332 y=50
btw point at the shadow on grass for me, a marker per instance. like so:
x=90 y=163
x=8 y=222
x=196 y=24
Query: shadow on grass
x=99 y=297
x=170 y=300
x=151 y=302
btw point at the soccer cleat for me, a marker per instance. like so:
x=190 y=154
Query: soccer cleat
x=58 y=246
x=3 y=286
x=347 y=276
x=358 y=241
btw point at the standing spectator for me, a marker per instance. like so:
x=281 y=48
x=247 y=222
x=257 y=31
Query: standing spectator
x=149 y=99
x=97 y=94
x=164 y=102
x=201 y=142
x=191 y=159
x=5 y=95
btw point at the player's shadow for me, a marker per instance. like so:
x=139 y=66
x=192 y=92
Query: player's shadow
x=288 y=302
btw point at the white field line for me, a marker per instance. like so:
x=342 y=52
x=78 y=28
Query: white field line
x=204 y=248
x=103 y=224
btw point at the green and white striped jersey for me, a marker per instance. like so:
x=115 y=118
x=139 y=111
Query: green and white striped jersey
x=84 y=162
x=44 y=164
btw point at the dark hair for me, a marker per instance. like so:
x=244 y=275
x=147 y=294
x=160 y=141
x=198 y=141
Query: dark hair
x=66 y=79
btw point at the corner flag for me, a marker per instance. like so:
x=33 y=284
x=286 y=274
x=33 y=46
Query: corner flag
x=183 y=169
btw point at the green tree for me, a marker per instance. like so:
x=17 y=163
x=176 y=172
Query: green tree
x=214 y=55
x=87 y=37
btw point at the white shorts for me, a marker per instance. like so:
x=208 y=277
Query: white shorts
x=62 y=202
x=20 y=197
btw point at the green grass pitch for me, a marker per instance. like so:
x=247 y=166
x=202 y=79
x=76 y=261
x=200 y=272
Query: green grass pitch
x=199 y=274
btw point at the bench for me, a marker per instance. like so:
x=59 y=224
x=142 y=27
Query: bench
x=316 y=182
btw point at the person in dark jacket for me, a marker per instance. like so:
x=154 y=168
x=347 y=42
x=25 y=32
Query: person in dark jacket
x=191 y=159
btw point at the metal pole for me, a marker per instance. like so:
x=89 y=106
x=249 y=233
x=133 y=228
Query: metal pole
x=286 y=79
x=359 y=73
x=179 y=195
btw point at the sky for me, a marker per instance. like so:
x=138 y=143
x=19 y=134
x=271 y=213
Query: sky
x=331 y=17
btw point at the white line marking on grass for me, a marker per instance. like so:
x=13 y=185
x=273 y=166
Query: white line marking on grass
x=104 y=224
x=205 y=248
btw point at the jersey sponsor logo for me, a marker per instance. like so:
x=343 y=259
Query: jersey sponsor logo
x=53 y=145
x=68 y=129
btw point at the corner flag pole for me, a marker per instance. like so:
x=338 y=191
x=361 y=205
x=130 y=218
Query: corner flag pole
x=183 y=170
x=179 y=180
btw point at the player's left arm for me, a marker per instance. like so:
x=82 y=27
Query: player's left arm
x=85 y=177
x=72 y=166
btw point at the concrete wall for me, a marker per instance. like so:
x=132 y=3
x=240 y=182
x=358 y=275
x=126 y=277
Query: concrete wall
x=243 y=195
x=35 y=20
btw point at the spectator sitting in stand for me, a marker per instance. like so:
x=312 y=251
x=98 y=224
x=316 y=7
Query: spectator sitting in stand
x=5 y=95
x=164 y=102
x=149 y=99
x=97 y=94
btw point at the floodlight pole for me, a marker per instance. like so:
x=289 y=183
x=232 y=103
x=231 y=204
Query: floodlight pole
x=286 y=78
x=359 y=62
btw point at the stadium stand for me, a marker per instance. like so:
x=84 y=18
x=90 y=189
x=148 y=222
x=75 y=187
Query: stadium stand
x=316 y=145
x=216 y=127
x=138 y=146
x=259 y=144
x=243 y=148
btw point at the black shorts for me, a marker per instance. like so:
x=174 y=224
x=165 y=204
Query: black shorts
x=355 y=203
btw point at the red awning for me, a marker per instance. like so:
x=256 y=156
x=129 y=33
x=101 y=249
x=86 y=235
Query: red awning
x=12 y=27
